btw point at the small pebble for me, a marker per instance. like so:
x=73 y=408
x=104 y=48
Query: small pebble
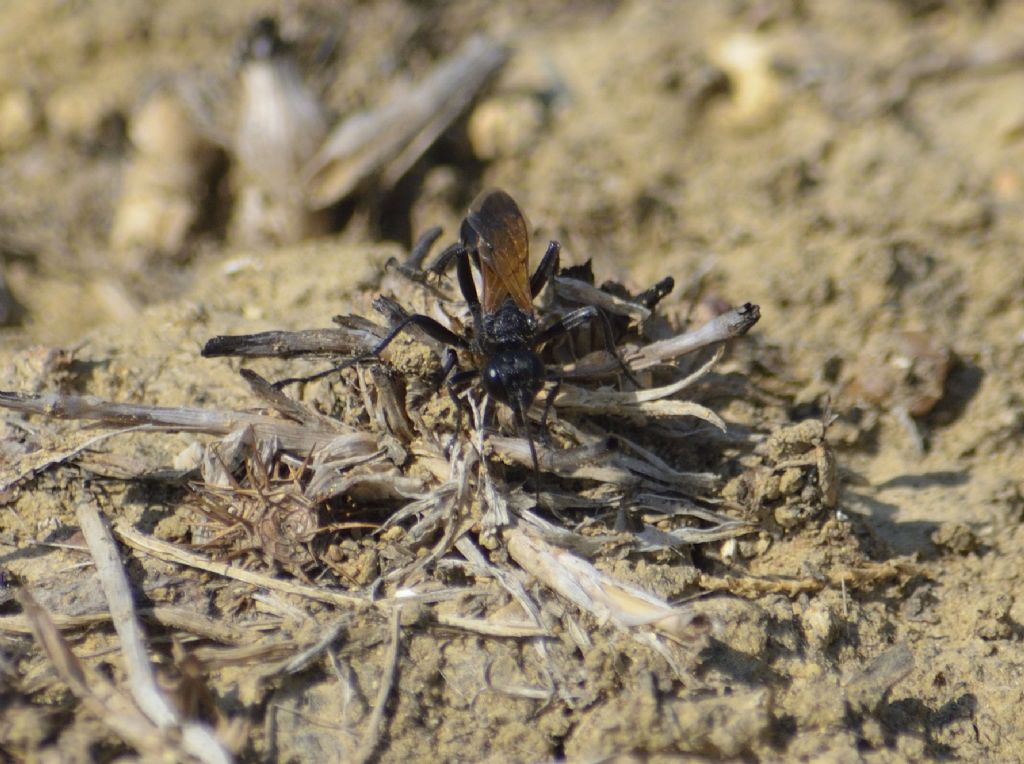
x=19 y=119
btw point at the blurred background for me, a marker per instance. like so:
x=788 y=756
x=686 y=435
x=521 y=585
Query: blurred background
x=856 y=169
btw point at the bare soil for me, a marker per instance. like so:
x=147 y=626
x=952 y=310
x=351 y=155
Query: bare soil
x=856 y=169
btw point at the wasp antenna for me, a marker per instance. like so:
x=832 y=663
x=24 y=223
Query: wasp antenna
x=283 y=383
x=525 y=421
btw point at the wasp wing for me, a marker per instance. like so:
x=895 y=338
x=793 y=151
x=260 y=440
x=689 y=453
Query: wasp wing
x=497 y=230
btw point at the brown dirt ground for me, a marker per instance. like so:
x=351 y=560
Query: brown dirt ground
x=859 y=175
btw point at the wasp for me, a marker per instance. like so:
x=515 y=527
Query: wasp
x=507 y=336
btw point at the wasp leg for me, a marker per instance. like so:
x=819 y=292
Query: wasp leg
x=609 y=341
x=444 y=260
x=460 y=255
x=422 y=248
x=430 y=326
x=654 y=295
x=451 y=362
x=581 y=316
x=566 y=324
x=412 y=267
x=468 y=288
x=549 y=402
x=458 y=379
x=547 y=269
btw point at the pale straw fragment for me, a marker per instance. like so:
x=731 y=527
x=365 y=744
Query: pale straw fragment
x=597 y=593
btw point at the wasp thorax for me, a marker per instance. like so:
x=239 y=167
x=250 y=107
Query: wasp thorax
x=509 y=325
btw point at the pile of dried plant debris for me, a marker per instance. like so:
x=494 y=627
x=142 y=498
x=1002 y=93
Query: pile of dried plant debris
x=362 y=498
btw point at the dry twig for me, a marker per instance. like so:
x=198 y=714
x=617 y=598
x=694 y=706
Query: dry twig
x=173 y=553
x=371 y=738
x=95 y=692
x=197 y=739
x=291 y=435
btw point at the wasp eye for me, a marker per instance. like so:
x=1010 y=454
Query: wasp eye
x=495 y=380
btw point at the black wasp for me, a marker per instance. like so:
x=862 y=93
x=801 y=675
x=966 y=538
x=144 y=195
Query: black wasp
x=506 y=334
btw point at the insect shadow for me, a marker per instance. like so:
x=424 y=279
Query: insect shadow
x=506 y=334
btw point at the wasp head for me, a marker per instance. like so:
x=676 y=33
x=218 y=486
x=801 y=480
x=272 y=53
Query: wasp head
x=514 y=377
